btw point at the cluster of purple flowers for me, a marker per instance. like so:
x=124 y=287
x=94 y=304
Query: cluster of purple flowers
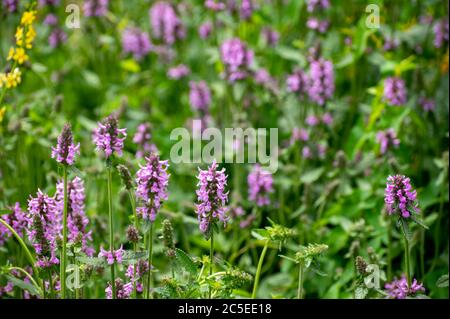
x=65 y=149
x=142 y=267
x=390 y=43
x=95 y=8
x=165 y=23
x=297 y=82
x=142 y=139
x=44 y=228
x=152 y=180
x=260 y=185
x=17 y=219
x=313 y=120
x=246 y=9
x=57 y=34
x=427 y=104
x=112 y=257
x=399 y=196
x=77 y=220
x=237 y=59
x=387 y=140
x=123 y=290
x=212 y=196
x=313 y=5
x=205 y=30
x=136 y=42
x=440 y=33
x=200 y=96
x=107 y=137
x=178 y=72
x=399 y=289
x=11 y=5
x=237 y=213
x=299 y=134
x=313 y=22
x=271 y=37
x=321 y=81
x=395 y=91
x=317 y=24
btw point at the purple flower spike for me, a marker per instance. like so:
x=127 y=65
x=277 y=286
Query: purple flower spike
x=165 y=23
x=123 y=291
x=18 y=220
x=399 y=197
x=11 y=5
x=237 y=59
x=321 y=81
x=112 y=256
x=136 y=42
x=152 y=180
x=395 y=91
x=65 y=149
x=260 y=186
x=399 y=289
x=142 y=139
x=107 y=137
x=95 y=8
x=296 y=82
x=440 y=30
x=199 y=96
x=211 y=196
x=178 y=72
x=387 y=140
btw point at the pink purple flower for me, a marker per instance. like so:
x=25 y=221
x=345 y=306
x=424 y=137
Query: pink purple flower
x=205 y=30
x=178 y=72
x=313 y=5
x=427 y=104
x=399 y=289
x=11 y=5
x=215 y=5
x=77 y=220
x=142 y=138
x=112 y=257
x=387 y=140
x=142 y=268
x=123 y=290
x=271 y=37
x=199 y=96
x=399 y=197
x=152 y=180
x=440 y=30
x=260 y=185
x=165 y=23
x=321 y=81
x=296 y=82
x=57 y=37
x=65 y=149
x=395 y=91
x=211 y=196
x=136 y=42
x=236 y=57
x=299 y=134
x=108 y=137
x=317 y=24
x=17 y=219
x=246 y=9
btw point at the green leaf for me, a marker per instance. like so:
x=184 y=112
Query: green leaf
x=92 y=261
x=288 y=258
x=260 y=234
x=405 y=228
x=418 y=221
x=24 y=285
x=312 y=175
x=361 y=292
x=185 y=261
x=132 y=257
x=442 y=282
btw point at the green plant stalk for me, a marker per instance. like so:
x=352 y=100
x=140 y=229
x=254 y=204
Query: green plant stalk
x=300 y=281
x=407 y=262
x=28 y=254
x=150 y=256
x=26 y=274
x=111 y=231
x=258 y=270
x=64 y=242
x=50 y=283
x=211 y=256
x=389 y=253
x=133 y=208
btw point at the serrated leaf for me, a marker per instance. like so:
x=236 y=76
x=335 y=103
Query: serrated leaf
x=288 y=258
x=132 y=257
x=24 y=285
x=361 y=292
x=92 y=261
x=418 y=221
x=442 y=282
x=185 y=261
x=405 y=229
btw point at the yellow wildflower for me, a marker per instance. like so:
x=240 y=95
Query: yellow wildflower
x=2 y=79
x=28 y=17
x=19 y=55
x=13 y=78
x=19 y=36
x=10 y=54
x=2 y=113
x=29 y=38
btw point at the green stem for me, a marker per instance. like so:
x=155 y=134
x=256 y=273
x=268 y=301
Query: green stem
x=28 y=254
x=28 y=275
x=258 y=270
x=64 y=242
x=389 y=253
x=111 y=231
x=300 y=281
x=407 y=261
x=133 y=208
x=150 y=256
x=211 y=256
x=50 y=283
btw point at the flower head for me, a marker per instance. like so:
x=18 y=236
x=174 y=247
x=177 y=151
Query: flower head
x=65 y=149
x=107 y=136
x=211 y=196
x=399 y=289
x=271 y=37
x=387 y=139
x=178 y=72
x=440 y=30
x=123 y=290
x=17 y=219
x=395 y=91
x=399 y=196
x=236 y=57
x=142 y=138
x=321 y=81
x=199 y=96
x=165 y=23
x=260 y=185
x=296 y=82
x=114 y=256
x=95 y=8
x=135 y=272
x=152 y=180
x=136 y=42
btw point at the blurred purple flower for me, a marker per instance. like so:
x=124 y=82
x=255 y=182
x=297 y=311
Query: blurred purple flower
x=312 y=120
x=399 y=196
x=296 y=82
x=318 y=25
x=440 y=30
x=142 y=139
x=178 y=72
x=260 y=185
x=51 y=3
x=321 y=81
x=427 y=104
x=271 y=37
x=398 y=288
x=95 y=8
x=395 y=91
x=123 y=291
x=17 y=219
x=387 y=139
x=313 y=5
x=51 y=19
x=112 y=257
x=246 y=9
x=236 y=57
x=107 y=136
x=215 y=5
x=211 y=196
x=11 y=5
x=205 y=30
x=65 y=149
x=165 y=23
x=299 y=134
x=136 y=42
x=390 y=43
x=57 y=37
x=327 y=118
x=199 y=96
x=152 y=180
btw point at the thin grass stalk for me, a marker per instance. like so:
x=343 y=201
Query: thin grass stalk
x=258 y=270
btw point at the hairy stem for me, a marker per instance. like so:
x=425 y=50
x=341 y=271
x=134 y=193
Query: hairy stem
x=300 y=281
x=211 y=256
x=150 y=256
x=64 y=239
x=111 y=231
